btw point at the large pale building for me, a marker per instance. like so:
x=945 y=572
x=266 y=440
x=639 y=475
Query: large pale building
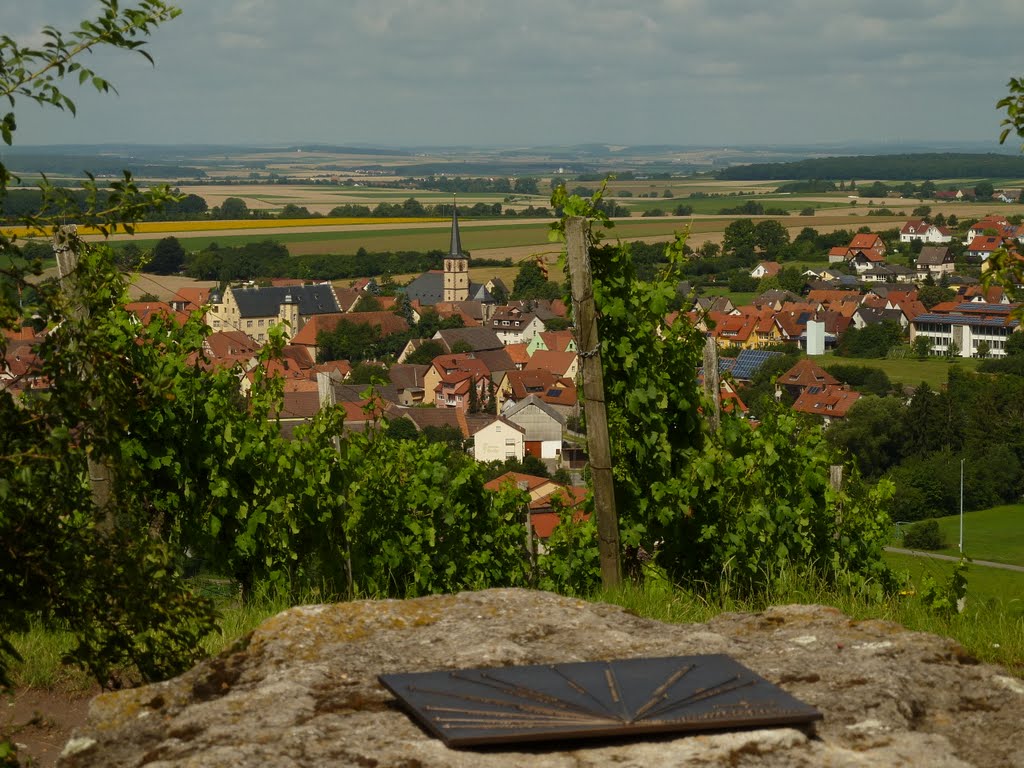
x=253 y=310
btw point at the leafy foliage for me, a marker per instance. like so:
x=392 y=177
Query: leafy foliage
x=870 y=341
x=62 y=559
x=924 y=534
x=740 y=503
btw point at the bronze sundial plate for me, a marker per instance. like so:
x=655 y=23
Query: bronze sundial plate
x=594 y=699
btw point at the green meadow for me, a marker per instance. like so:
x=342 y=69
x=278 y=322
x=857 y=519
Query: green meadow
x=909 y=371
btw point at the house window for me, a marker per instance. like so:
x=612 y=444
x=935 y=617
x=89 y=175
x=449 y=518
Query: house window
x=509 y=441
x=248 y=323
x=517 y=323
x=509 y=454
x=261 y=323
x=504 y=322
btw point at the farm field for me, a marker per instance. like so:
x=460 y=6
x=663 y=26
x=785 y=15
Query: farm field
x=320 y=236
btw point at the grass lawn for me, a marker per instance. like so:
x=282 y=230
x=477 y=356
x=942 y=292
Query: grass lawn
x=738 y=299
x=909 y=370
x=985 y=586
x=995 y=534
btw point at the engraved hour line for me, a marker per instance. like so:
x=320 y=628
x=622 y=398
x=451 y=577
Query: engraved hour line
x=661 y=692
x=613 y=687
x=581 y=690
x=523 y=692
x=527 y=693
x=726 y=686
x=532 y=709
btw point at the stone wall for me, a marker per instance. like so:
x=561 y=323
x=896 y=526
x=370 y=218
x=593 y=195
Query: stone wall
x=302 y=689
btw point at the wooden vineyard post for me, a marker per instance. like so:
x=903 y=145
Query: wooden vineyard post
x=598 y=445
x=712 y=384
x=67 y=261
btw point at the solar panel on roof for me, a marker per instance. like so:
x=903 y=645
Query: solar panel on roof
x=749 y=361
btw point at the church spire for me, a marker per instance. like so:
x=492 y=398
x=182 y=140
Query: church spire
x=455 y=252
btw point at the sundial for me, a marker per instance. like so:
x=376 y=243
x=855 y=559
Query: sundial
x=594 y=699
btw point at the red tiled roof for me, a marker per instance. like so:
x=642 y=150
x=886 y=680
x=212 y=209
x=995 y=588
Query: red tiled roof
x=827 y=296
x=985 y=243
x=387 y=322
x=833 y=402
x=222 y=344
x=147 y=311
x=515 y=478
x=865 y=240
x=558 y=363
x=518 y=353
x=545 y=385
x=193 y=298
x=556 y=341
x=807 y=373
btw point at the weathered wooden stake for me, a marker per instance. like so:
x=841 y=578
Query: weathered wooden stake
x=67 y=261
x=598 y=445
x=712 y=385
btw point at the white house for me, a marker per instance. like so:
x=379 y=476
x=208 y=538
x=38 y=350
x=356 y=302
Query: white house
x=918 y=229
x=541 y=424
x=513 y=326
x=499 y=440
x=766 y=269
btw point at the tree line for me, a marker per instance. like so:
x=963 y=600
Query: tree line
x=270 y=258
x=919 y=444
x=925 y=165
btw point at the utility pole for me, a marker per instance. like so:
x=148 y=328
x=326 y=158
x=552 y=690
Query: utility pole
x=598 y=444
x=64 y=240
x=961 y=506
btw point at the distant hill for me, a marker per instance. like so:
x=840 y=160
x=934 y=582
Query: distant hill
x=893 y=167
x=97 y=165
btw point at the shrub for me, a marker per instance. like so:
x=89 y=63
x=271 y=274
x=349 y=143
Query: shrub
x=924 y=535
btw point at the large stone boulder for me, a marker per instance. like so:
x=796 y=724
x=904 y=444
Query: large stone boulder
x=302 y=689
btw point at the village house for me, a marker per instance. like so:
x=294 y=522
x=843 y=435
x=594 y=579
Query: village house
x=387 y=323
x=559 y=393
x=829 y=403
x=546 y=498
x=542 y=426
x=805 y=375
x=935 y=261
x=766 y=269
x=449 y=378
x=514 y=326
x=409 y=382
x=921 y=231
x=555 y=341
x=562 y=364
x=498 y=439
x=983 y=246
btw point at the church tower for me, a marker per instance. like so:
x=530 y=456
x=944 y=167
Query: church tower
x=456 y=265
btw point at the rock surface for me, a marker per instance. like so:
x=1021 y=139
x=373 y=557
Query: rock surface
x=302 y=689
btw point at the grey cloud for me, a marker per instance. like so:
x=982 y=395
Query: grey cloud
x=490 y=71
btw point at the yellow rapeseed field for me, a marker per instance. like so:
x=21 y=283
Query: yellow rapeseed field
x=156 y=227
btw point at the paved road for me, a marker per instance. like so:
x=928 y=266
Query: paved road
x=986 y=563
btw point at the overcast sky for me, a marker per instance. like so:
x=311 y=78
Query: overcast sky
x=524 y=72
